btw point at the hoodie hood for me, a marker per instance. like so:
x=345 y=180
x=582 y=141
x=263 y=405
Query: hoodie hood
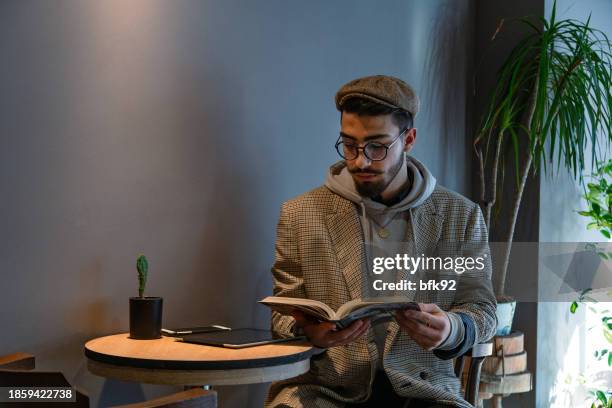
x=375 y=216
x=340 y=181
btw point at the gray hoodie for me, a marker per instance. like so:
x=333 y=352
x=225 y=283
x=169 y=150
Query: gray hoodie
x=396 y=220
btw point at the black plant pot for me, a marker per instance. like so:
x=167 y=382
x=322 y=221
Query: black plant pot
x=145 y=317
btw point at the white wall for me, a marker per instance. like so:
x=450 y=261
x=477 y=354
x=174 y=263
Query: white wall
x=563 y=337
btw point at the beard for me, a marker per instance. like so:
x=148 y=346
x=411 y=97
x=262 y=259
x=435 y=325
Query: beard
x=373 y=189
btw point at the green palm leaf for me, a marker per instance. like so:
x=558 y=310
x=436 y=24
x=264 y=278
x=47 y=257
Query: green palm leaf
x=553 y=100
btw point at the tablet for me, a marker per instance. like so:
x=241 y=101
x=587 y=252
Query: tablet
x=237 y=338
x=190 y=330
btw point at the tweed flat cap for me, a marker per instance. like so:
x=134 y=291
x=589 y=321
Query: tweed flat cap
x=383 y=89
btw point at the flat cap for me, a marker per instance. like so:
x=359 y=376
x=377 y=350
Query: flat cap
x=383 y=89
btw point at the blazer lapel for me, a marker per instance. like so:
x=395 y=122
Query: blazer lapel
x=347 y=237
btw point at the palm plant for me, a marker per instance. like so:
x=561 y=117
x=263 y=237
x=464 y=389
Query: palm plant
x=552 y=103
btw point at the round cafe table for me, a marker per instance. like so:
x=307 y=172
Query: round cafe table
x=168 y=361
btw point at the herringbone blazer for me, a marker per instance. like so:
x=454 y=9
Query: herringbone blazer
x=320 y=255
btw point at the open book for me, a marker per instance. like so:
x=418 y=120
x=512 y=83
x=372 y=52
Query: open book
x=379 y=308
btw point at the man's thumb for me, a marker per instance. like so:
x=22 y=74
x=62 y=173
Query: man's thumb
x=429 y=307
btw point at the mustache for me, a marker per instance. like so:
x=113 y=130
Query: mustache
x=359 y=171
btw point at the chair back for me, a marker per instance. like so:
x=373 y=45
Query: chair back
x=468 y=367
x=16 y=371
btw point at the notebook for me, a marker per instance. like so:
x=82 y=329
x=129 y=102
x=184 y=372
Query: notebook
x=237 y=338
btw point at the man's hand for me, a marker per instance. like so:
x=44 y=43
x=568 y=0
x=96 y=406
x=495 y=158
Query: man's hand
x=324 y=334
x=428 y=328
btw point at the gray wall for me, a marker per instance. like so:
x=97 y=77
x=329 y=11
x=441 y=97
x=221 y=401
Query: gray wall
x=520 y=282
x=177 y=129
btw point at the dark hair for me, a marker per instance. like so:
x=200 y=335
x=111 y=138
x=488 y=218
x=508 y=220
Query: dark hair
x=364 y=107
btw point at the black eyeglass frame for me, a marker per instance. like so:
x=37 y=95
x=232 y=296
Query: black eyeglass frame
x=365 y=146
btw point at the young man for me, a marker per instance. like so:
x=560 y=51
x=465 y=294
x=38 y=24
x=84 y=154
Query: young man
x=378 y=200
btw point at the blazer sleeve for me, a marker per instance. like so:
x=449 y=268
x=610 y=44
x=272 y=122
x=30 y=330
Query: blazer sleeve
x=286 y=271
x=475 y=302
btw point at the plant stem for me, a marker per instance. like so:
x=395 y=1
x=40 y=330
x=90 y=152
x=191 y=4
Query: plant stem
x=501 y=283
x=487 y=205
x=491 y=202
x=518 y=196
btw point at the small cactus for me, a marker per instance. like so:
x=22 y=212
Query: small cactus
x=143 y=267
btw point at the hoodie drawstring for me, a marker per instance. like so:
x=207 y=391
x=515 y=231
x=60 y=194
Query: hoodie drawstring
x=367 y=230
x=412 y=231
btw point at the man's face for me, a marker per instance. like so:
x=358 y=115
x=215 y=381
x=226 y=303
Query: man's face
x=372 y=177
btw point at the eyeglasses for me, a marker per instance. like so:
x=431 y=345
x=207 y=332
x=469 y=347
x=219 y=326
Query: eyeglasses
x=374 y=151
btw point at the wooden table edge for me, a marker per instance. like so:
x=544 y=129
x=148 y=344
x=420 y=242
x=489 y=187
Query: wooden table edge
x=199 y=377
x=200 y=365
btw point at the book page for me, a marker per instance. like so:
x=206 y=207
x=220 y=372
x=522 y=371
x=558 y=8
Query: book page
x=312 y=307
x=356 y=304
